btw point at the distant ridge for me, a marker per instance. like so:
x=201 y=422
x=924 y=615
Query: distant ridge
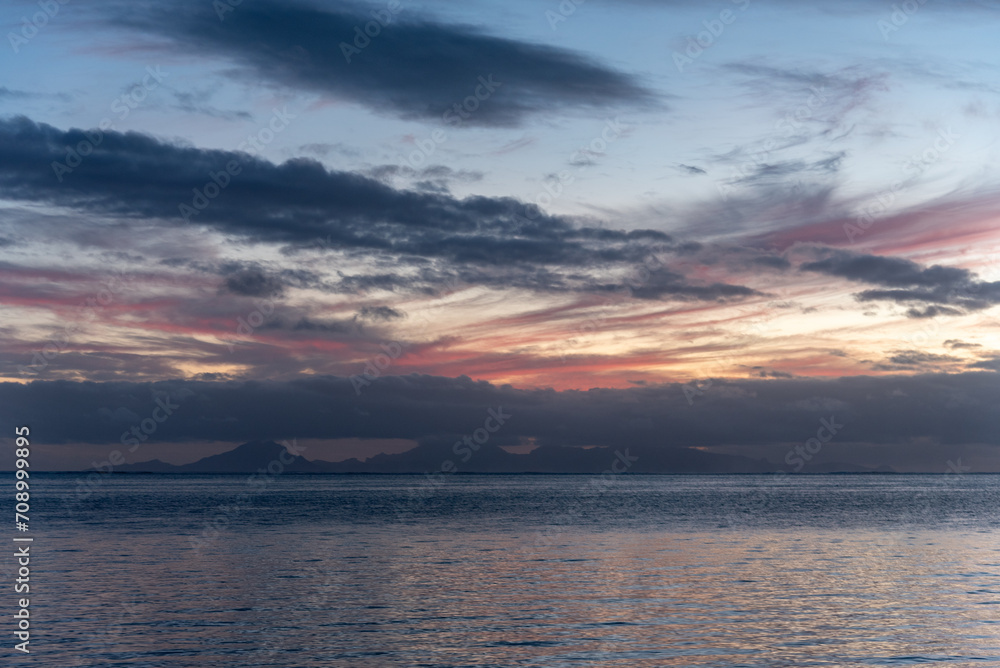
x=246 y=458
x=429 y=458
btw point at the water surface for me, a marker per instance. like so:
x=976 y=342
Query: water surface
x=843 y=570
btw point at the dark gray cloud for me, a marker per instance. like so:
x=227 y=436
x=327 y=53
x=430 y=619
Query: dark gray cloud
x=992 y=363
x=762 y=372
x=413 y=67
x=910 y=360
x=916 y=357
x=252 y=279
x=665 y=283
x=305 y=324
x=955 y=344
x=913 y=311
x=947 y=409
x=888 y=271
x=929 y=291
x=302 y=204
x=104 y=365
x=433 y=172
x=254 y=282
x=380 y=313
x=658 y=284
x=772 y=261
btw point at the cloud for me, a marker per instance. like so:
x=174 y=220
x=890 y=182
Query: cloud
x=14 y=94
x=947 y=408
x=380 y=313
x=252 y=279
x=992 y=363
x=432 y=179
x=323 y=149
x=254 y=282
x=930 y=291
x=888 y=271
x=665 y=283
x=955 y=344
x=914 y=312
x=412 y=67
x=916 y=358
x=771 y=261
x=300 y=203
x=691 y=169
x=197 y=102
x=779 y=171
x=305 y=324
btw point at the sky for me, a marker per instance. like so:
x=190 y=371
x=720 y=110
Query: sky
x=680 y=223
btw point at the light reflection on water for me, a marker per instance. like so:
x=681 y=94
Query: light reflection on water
x=522 y=571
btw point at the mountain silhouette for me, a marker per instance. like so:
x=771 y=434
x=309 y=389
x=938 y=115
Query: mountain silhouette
x=247 y=458
x=441 y=457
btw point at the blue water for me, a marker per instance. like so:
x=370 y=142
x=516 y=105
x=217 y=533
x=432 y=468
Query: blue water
x=846 y=570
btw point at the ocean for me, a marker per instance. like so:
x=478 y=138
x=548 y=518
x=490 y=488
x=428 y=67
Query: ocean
x=515 y=570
